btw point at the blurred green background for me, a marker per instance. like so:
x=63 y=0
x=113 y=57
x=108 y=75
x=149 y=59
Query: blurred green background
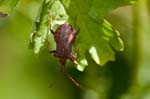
x=24 y=75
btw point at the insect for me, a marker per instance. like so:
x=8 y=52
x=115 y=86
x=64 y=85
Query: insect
x=65 y=36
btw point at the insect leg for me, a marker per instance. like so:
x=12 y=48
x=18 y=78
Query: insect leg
x=58 y=75
x=70 y=78
x=73 y=59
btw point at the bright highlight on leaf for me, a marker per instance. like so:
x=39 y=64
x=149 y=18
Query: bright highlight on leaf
x=83 y=63
x=94 y=54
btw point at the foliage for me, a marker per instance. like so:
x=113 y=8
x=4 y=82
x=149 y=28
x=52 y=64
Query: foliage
x=24 y=74
x=97 y=36
x=91 y=22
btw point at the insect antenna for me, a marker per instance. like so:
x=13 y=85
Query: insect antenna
x=57 y=76
x=70 y=77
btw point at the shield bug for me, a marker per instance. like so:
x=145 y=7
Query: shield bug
x=65 y=36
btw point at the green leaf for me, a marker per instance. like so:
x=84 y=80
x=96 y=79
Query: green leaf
x=98 y=40
x=6 y=6
x=116 y=41
x=97 y=36
x=39 y=37
x=42 y=34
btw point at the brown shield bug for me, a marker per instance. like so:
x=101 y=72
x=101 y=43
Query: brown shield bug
x=65 y=36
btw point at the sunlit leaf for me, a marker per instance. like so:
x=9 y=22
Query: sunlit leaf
x=97 y=36
x=50 y=10
x=39 y=37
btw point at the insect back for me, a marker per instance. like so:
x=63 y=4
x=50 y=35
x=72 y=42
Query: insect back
x=65 y=36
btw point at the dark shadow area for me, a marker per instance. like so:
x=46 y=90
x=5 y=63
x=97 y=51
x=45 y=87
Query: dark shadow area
x=121 y=77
